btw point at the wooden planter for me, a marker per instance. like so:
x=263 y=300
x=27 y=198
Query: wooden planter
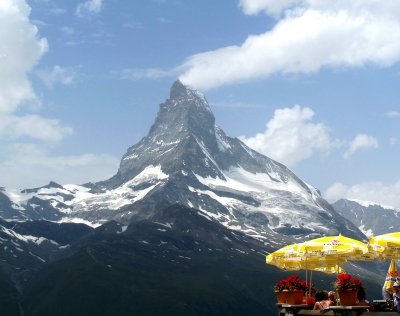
x=294 y=297
x=281 y=296
x=348 y=297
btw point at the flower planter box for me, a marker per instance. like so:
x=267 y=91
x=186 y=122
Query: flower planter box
x=348 y=297
x=281 y=296
x=294 y=297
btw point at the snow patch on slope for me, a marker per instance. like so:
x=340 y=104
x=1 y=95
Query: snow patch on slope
x=123 y=195
x=241 y=180
x=368 y=204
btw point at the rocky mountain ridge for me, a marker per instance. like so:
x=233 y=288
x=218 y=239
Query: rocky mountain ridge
x=190 y=214
x=187 y=159
x=371 y=218
x=180 y=263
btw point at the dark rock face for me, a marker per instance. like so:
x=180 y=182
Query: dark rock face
x=46 y=202
x=182 y=262
x=27 y=246
x=372 y=219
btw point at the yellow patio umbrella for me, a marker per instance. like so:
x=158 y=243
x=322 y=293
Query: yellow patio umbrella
x=320 y=252
x=386 y=246
x=288 y=251
x=331 y=270
x=391 y=277
x=304 y=263
x=335 y=246
x=289 y=258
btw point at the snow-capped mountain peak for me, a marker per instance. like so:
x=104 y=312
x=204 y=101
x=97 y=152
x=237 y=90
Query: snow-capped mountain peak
x=371 y=218
x=187 y=159
x=368 y=204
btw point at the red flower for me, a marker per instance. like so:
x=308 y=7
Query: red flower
x=293 y=283
x=306 y=287
x=345 y=282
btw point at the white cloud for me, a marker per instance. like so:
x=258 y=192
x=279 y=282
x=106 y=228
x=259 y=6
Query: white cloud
x=33 y=126
x=269 y=6
x=393 y=114
x=291 y=137
x=151 y=73
x=164 y=20
x=375 y=192
x=29 y=166
x=58 y=74
x=39 y=23
x=58 y=11
x=88 y=7
x=361 y=141
x=133 y=24
x=308 y=35
x=67 y=30
x=20 y=50
x=393 y=140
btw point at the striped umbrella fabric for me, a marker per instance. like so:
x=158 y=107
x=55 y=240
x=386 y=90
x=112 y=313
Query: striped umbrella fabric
x=386 y=246
x=335 y=247
x=304 y=263
x=286 y=252
x=391 y=277
x=289 y=258
x=331 y=270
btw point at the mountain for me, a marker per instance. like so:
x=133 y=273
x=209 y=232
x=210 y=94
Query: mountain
x=187 y=159
x=27 y=246
x=182 y=228
x=371 y=218
x=182 y=264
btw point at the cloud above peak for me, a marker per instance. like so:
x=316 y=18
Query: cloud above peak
x=308 y=36
x=291 y=136
x=372 y=191
x=21 y=48
x=393 y=114
x=89 y=7
x=251 y=7
x=361 y=141
x=64 y=76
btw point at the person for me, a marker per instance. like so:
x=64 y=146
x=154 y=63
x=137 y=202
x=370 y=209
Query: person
x=386 y=294
x=332 y=297
x=362 y=301
x=322 y=300
x=396 y=297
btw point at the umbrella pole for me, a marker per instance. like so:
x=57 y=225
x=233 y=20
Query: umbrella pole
x=337 y=275
x=309 y=294
x=306 y=280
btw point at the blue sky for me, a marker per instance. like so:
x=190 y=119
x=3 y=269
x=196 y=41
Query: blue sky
x=311 y=84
